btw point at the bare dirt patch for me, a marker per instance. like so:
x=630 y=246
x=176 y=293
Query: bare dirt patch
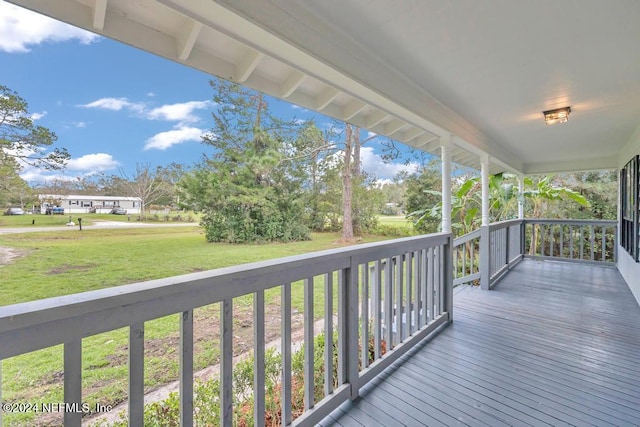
x=7 y=255
x=65 y=268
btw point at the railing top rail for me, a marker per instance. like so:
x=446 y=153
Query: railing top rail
x=599 y=222
x=467 y=237
x=51 y=321
x=504 y=224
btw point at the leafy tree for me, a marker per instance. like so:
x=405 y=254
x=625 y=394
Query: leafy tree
x=21 y=139
x=466 y=205
x=420 y=189
x=248 y=189
x=13 y=189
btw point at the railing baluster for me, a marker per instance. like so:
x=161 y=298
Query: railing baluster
x=226 y=360
x=136 y=374
x=408 y=329
x=388 y=303
x=399 y=306
x=604 y=243
x=377 y=315
x=285 y=336
x=561 y=241
x=464 y=259
x=328 y=334
x=581 y=242
x=430 y=279
x=417 y=302
x=592 y=241
x=423 y=285
x=439 y=296
x=186 y=368
x=73 y=381
x=472 y=268
x=308 y=344
x=258 y=359
x=571 y=241
x=551 y=240
x=364 y=353
x=343 y=331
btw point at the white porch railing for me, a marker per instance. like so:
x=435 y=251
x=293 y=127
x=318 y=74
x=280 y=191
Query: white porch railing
x=390 y=295
x=485 y=255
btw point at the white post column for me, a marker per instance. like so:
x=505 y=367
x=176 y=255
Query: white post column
x=485 y=246
x=445 y=145
x=484 y=168
x=521 y=213
x=520 y=196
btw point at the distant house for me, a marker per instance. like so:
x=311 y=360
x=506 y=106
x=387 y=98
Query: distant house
x=74 y=204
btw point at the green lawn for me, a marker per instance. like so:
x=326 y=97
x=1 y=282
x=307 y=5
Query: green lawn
x=65 y=262
x=396 y=221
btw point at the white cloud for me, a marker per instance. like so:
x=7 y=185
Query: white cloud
x=164 y=140
x=151 y=94
x=373 y=164
x=20 y=29
x=180 y=112
x=114 y=104
x=38 y=116
x=80 y=124
x=83 y=166
x=92 y=163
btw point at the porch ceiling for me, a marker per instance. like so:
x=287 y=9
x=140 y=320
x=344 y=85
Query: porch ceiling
x=416 y=71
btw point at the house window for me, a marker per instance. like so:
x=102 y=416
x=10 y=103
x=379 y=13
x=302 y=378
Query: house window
x=629 y=229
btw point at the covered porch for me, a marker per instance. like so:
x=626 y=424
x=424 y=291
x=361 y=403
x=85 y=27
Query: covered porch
x=545 y=342
x=553 y=343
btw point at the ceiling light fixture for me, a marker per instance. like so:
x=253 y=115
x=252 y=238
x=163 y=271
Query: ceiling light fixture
x=559 y=115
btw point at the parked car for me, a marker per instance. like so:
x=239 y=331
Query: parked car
x=14 y=211
x=118 y=211
x=54 y=210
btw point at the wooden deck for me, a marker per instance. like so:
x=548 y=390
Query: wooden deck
x=553 y=344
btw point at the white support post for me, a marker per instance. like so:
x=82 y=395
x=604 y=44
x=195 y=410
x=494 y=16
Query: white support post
x=485 y=246
x=445 y=145
x=520 y=196
x=484 y=166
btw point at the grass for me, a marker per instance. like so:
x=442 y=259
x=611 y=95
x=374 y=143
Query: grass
x=395 y=221
x=65 y=262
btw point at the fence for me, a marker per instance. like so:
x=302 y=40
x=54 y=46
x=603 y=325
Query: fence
x=390 y=295
x=485 y=255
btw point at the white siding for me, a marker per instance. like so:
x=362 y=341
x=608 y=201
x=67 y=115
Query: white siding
x=629 y=269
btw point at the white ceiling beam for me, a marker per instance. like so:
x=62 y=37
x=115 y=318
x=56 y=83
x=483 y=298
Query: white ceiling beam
x=246 y=65
x=352 y=109
x=432 y=145
x=325 y=98
x=375 y=118
x=292 y=83
x=411 y=134
x=99 y=14
x=187 y=39
x=421 y=140
x=394 y=126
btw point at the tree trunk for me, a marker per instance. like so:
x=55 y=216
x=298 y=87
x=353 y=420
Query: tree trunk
x=347 y=196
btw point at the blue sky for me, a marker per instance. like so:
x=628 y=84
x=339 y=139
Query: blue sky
x=113 y=106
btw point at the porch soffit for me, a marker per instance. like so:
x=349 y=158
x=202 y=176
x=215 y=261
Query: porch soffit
x=413 y=71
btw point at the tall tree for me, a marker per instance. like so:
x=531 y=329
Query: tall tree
x=13 y=189
x=21 y=139
x=352 y=223
x=248 y=189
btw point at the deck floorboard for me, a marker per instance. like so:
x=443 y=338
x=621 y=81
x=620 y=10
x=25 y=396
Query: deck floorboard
x=552 y=344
